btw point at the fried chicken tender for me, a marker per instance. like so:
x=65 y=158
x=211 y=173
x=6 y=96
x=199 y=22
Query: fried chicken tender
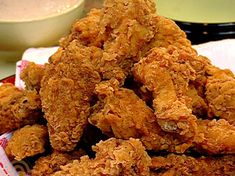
x=167 y=34
x=47 y=165
x=114 y=157
x=220 y=94
x=32 y=76
x=18 y=108
x=66 y=91
x=174 y=165
x=121 y=113
x=166 y=73
x=216 y=137
x=27 y=141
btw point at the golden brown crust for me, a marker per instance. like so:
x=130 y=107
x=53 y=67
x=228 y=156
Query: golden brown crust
x=27 y=141
x=67 y=87
x=113 y=157
x=220 y=94
x=18 y=108
x=47 y=165
x=32 y=76
x=174 y=165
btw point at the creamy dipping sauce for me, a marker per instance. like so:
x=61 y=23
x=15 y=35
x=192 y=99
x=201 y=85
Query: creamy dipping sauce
x=20 y=10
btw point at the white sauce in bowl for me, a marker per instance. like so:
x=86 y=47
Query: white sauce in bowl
x=20 y=10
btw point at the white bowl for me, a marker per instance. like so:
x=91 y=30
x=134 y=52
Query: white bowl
x=16 y=36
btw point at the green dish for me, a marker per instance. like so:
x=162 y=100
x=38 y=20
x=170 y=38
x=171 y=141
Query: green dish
x=198 y=11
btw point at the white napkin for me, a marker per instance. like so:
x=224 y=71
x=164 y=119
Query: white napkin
x=221 y=53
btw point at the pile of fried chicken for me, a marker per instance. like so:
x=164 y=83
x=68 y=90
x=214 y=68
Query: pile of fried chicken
x=125 y=94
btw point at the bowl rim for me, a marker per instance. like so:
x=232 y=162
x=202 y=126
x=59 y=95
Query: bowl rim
x=54 y=15
x=189 y=23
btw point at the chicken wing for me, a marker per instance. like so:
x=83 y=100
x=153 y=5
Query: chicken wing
x=67 y=88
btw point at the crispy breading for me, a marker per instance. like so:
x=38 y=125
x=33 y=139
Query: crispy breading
x=114 y=157
x=168 y=34
x=121 y=113
x=27 y=141
x=216 y=137
x=86 y=31
x=166 y=73
x=47 y=165
x=32 y=75
x=220 y=94
x=67 y=88
x=197 y=103
x=18 y=108
x=174 y=165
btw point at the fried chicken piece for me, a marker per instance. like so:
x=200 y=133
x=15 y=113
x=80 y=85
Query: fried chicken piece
x=216 y=137
x=202 y=66
x=167 y=34
x=27 y=141
x=86 y=31
x=128 y=27
x=122 y=28
x=174 y=165
x=198 y=105
x=66 y=91
x=18 y=108
x=166 y=73
x=47 y=165
x=220 y=94
x=113 y=157
x=121 y=113
x=117 y=11
x=32 y=76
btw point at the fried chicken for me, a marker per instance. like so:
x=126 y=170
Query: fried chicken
x=198 y=104
x=86 y=31
x=220 y=94
x=216 y=137
x=32 y=76
x=121 y=29
x=168 y=34
x=113 y=157
x=18 y=108
x=121 y=113
x=47 y=165
x=66 y=91
x=128 y=27
x=166 y=73
x=174 y=165
x=27 y=141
